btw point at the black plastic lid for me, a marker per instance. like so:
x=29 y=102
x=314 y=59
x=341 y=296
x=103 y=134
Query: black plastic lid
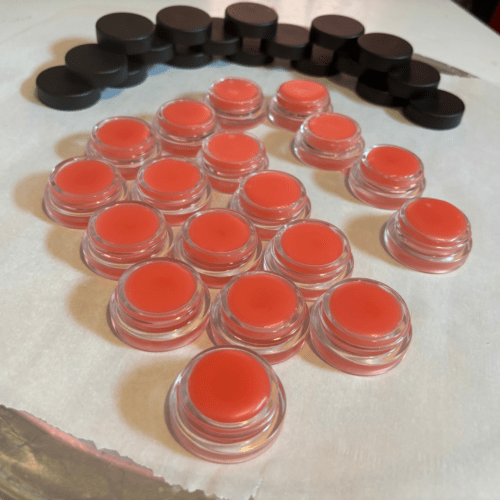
x=99 y=67
x=437 y=109
x=161 y=51
x=137 y=73
x=251 y=20
x=184 y=25
x=381 y=51
x=221 y=42
x=411 y=79
x=372 y=87
x=189 y=57
x=124 y=33
x=59 y=88
x=347 y=60
x=332 y=31
x=320 y=62
x=290 y=42
x=251 y=53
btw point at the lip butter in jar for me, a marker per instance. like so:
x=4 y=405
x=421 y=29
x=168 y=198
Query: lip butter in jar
x=175 y=186
x=239 y=103
x=361 y=326
x=295 y=101
x=271 y=199
x=429 y=235
x=329 y=141
x=79 y=186
x=125 y=141
x=227 y=157
x=226 y=406
x=219 y=244
x=312 y=253
x=159 y=305
x=123 y=234
x=387 y=176
x=183 y=124
x=262 y=311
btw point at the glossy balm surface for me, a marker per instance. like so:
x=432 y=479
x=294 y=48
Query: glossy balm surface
x=85 y=177
x=229 y=386
x=160 y=287
x=274 y=190
x=123 y=133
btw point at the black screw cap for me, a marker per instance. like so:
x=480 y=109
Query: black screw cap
x=59 y=88
x=99 y=67
x=290 y=42
x=124 y=33
x=372 y=87
x=184 y=25
x=436 y=109
x=411 y=79
x=381 y=51
x=221 y=42
x=332 y=31
x=251 y=20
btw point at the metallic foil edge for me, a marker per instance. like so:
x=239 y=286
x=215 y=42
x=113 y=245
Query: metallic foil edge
x=40 y=462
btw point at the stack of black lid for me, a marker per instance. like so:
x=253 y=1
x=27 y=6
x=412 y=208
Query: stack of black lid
x=249 y=34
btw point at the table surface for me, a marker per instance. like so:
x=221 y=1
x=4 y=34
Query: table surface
x=427 y=429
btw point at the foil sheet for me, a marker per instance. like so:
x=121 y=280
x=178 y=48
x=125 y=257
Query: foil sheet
x=39 y=462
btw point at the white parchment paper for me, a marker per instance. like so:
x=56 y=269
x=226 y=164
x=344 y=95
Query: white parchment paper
x=428 y=429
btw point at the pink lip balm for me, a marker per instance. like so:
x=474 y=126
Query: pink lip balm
x=183 y=124
x=329 y=141
x=429 y=235
x=387 y=176
x=239 y=103
x=125 y=141
x=226 y=406
x=296 y=100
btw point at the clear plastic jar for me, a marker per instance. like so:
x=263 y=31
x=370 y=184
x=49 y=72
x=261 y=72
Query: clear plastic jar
x=429 y=235
x=219 y=243
x=126 y=142
x=227 y=157
x=123 y=234
x=79 y=186
x=226 y=406
x=312 y=253
x=271 y=199
x=387 y=176
x=159 y=305
x=175 y=186
x=183 y=124
x=295 y=101
x=239 y=103
x=329 y=141
x=361 y=326
x=262 y=311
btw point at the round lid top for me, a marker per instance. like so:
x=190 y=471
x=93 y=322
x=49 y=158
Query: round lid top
x=252 y=20
x=184 y=25
x=333 y=31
